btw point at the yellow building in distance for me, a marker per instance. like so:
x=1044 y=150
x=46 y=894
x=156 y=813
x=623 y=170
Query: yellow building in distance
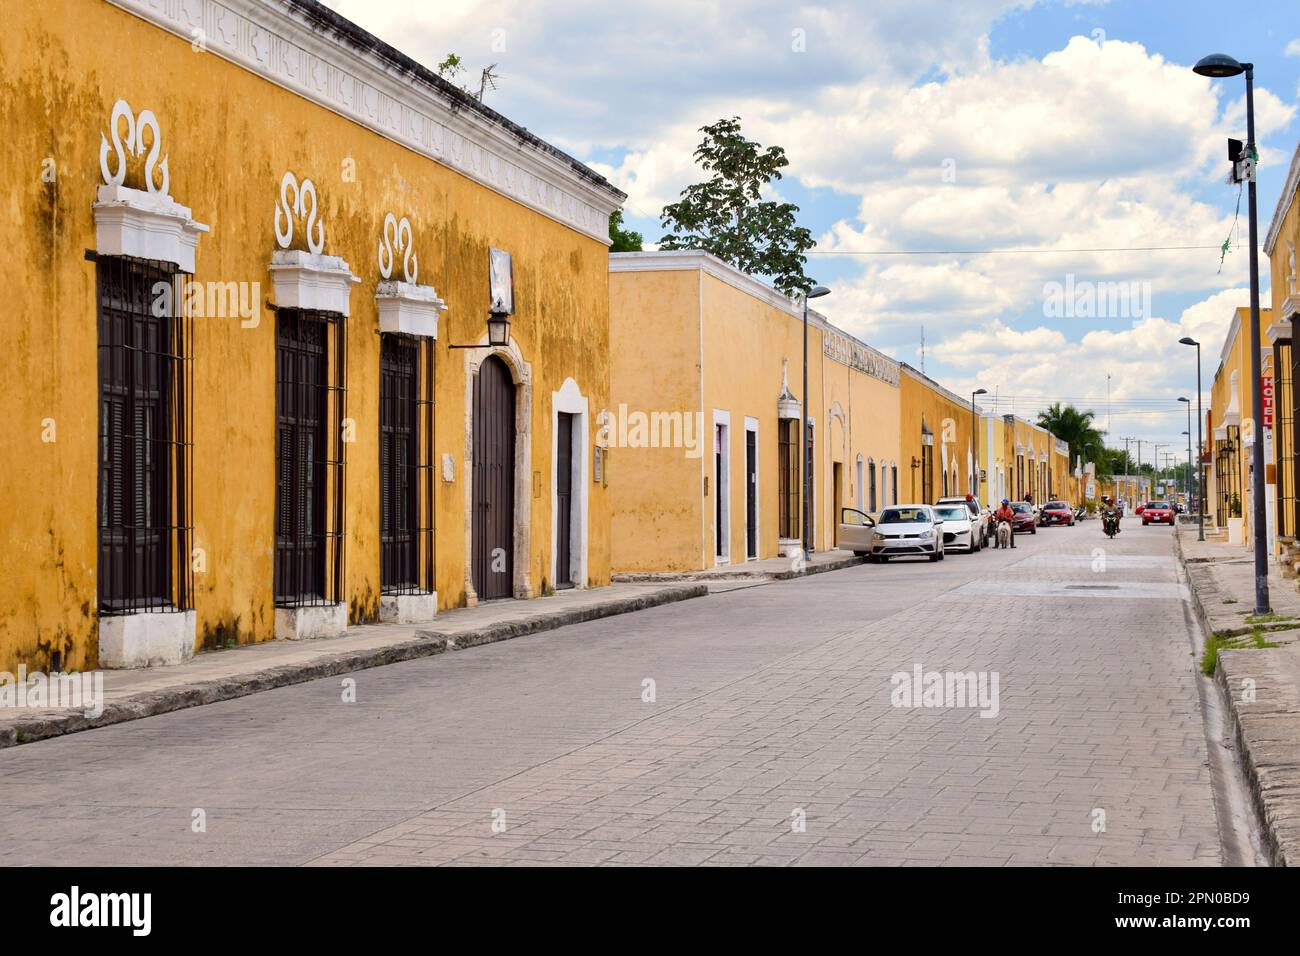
x=235 y=272
x=706 y=389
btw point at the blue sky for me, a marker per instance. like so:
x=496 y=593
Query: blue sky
x=930 y=125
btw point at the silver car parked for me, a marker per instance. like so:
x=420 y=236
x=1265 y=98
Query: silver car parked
x=898 y=531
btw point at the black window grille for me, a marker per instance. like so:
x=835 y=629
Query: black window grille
x=145 y=428
x=406 y=470
x=1227 y=476
x=927 y=474
x=788 y=476
x=310 y=408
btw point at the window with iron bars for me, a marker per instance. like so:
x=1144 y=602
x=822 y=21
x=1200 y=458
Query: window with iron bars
x=145 y=424
x=1228 y=477
x=310 y=408
x=406 y=479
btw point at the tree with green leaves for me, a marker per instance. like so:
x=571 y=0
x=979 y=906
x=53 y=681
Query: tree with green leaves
x=727 y=217
x=620 y=239
x=1073 y=427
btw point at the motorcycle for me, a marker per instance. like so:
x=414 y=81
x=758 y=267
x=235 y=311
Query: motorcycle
x=1080 y=514
x=1110 y=524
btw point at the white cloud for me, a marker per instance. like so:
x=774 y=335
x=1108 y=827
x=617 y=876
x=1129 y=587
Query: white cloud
x=1033 y=367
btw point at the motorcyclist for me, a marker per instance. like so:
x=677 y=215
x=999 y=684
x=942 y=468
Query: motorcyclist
x=1109 y=512
x=1004 y=513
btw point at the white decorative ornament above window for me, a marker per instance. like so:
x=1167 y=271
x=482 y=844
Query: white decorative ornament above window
x=306 y=279
x=285 y=213
x=404 y=307
x=398 y=231
x=140 y=223
x=135 y=128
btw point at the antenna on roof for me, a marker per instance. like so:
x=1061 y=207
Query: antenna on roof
x=488 y=81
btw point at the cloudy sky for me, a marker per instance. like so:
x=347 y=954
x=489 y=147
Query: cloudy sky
x=941 y=128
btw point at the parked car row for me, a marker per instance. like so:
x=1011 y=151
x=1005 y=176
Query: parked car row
x=951 y=524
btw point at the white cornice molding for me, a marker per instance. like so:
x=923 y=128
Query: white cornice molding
x=1283 y=203
x=690 y=260
x=272 y=40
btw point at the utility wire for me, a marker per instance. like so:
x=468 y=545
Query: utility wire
x=1002 y=252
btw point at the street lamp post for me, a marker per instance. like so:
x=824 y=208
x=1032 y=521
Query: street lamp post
x=816 y=292
x=1188 y=402
x=1218 y=66
x=1200 y=448
x=975 y=444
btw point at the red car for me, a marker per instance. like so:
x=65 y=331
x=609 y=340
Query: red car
x=1056 y=512
x=1025 y=519
x=1157 y=512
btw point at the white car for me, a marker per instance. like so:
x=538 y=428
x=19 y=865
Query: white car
x=899 y=531
x=977 y=511
x=962 y=531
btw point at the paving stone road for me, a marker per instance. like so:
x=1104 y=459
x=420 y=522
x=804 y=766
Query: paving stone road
x=772 y=737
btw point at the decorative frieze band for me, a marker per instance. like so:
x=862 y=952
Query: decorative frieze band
x=266 y=38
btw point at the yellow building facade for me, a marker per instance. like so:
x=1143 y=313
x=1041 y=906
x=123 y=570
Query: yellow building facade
x=1282 y=246
x=243 y=241
x=702 y=429
x=937 y=439
x=1233 y=431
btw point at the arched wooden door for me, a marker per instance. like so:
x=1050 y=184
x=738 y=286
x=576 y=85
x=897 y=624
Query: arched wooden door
x=494 y=481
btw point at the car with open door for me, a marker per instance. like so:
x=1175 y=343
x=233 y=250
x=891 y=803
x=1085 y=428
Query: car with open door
x=857 y=531
x=907 y=531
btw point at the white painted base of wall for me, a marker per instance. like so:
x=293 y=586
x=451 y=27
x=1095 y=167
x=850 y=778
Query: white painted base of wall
x=408 y=608
x=307 y=623
x=1235 y=528
x=150 y=639
x=789 y=547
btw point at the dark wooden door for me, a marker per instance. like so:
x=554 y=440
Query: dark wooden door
x=494 y=481
x=564 y=501
x=751 y=494
x=399 y=373
x=301 y=391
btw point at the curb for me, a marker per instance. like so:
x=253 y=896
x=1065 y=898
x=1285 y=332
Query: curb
x=1249 y=768
x=1265 y=810
x=740 y=574
x=427 y=643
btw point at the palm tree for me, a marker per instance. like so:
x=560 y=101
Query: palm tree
x=1073 y=427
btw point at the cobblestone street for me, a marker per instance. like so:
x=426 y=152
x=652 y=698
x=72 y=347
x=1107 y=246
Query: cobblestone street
x=771 y=737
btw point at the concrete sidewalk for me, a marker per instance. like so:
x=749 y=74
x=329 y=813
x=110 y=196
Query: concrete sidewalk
x=222 y=675
x=1260 y=685
x=768 y=569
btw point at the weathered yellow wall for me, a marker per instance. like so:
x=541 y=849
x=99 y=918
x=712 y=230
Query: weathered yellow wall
x=229 y=136
x=654 y=493
x=920 y=400
x=1236 y=359
x=862 y=415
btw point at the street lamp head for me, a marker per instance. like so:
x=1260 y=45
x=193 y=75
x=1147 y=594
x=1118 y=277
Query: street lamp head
x=980 y=391
x=1182 y=399
x=817 y=291
x=1218 y=65
x=1188 y=340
